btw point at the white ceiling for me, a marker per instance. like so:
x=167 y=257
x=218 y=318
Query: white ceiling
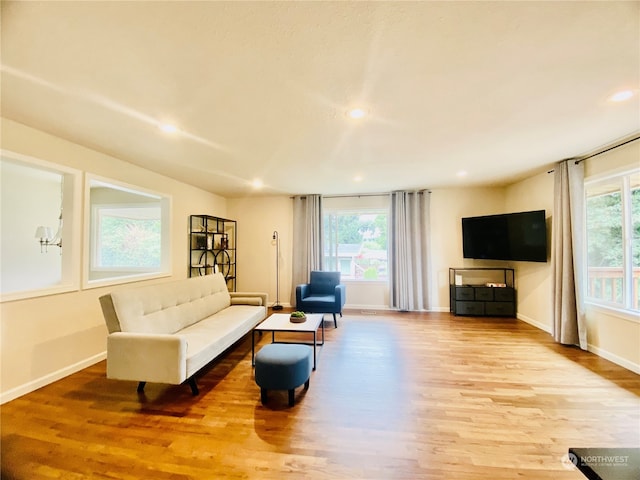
x=501 y=90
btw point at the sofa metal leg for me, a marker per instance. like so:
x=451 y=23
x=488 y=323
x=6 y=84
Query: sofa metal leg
x=335 y=321
x=194 y=386
x=292 y=396
x=140 y=388
x=306 y=384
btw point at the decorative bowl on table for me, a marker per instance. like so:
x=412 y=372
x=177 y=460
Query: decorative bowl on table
x=297 y=317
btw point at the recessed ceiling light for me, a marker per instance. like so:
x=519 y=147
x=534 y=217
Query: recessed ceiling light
x=168 y=128
x=357 y=113
x=462 y=173
x=257 y=183
x=621 y=96
x=357 y=178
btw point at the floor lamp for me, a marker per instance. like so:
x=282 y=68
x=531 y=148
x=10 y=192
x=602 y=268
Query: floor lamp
x=276 y=237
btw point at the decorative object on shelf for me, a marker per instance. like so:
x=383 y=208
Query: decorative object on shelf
x=201 y=242
x=276 y=238
x=297 y=317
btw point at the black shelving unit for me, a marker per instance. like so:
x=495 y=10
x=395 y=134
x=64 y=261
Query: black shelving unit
x=486 y=292
x=212 y=246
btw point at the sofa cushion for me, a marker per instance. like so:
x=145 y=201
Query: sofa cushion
x=257 y=301
x=211 y=336
x=172 y=306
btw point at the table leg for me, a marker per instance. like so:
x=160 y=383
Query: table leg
x=314 y=350
x=253 y=348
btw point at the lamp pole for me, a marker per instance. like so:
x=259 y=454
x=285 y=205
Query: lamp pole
x=276 y=237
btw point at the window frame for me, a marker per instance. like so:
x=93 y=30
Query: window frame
x=71 y=206
x=96 y=239
x=352 y=210
x=133 y=274
x=623 y=178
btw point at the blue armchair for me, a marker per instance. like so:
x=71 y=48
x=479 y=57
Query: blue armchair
x=323 y=294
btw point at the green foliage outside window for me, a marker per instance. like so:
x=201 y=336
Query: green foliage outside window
x=126 y=242
x=604 y=224
x=357 y=242
x=608 y=242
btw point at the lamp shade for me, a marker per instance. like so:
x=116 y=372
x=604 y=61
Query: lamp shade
x=43 y=232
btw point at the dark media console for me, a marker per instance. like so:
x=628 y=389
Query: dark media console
x=482 y=292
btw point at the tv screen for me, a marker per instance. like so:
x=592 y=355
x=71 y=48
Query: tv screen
x=518 y=236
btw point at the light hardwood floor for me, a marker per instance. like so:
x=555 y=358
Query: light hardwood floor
x=395 y=396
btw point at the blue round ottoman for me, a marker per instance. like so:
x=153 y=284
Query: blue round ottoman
x=283 y=366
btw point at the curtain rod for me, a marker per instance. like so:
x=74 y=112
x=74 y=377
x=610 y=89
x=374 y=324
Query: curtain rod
x=613 y=147
x=608 y=149
x=358 y=195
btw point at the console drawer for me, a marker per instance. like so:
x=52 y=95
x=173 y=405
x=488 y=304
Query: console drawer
x=469 y=308
x=464 y=293
x=504 y=294
x=500 y=309
x=484 y=293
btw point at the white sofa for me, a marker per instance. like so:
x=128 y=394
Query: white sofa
x=166 y=332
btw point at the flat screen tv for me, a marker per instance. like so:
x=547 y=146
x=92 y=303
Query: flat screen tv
x=518 y=236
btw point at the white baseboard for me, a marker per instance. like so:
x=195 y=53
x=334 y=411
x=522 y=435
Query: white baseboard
x=441 y=309
x=387 y=308
x=623 y=362
x=50 y=378
x=360 y=308
x=612 y=357
x=531 y=321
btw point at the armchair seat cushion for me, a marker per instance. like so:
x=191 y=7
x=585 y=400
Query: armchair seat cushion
x=320 y=303
x=323 y=294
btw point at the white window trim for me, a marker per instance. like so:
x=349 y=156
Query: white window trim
x=72 y=258
x=95 y=239
x=622 y=311
x=166 y=260
x=359 y=211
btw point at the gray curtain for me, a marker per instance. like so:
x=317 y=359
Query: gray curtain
x=410 y=263
x=569 y=323
x=307 y=239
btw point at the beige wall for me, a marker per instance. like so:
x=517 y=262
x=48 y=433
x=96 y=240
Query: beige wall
x=448 y=206
x=612 y=334
x=533 y=280
x=258 y=218
x=46 y=338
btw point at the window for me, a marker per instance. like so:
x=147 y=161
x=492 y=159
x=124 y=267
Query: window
x=355 y=243
x=34 y=193
x=613 y=241
x=129 y=233
x=128 y=237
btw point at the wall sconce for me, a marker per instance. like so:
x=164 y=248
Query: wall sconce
x=44 y=235
x=46 y=238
